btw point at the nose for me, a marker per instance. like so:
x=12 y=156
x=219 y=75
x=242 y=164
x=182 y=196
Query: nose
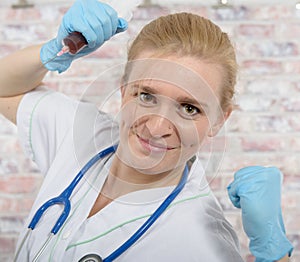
x=159 y=126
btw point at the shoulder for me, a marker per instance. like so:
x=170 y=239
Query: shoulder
x=199 y=226
x=192 y=233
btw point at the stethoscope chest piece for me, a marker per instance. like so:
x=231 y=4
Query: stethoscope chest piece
x=91 y=258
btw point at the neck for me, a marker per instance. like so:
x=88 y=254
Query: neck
x=123 y=179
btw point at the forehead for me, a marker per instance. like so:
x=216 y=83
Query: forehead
x=187 y=75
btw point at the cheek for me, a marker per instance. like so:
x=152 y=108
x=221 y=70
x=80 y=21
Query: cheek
x=194 y=133
x=131 y=118
x=202 y=129
x=192 y=138
x=127 y=113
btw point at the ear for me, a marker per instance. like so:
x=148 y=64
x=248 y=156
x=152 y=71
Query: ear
x=220 y=122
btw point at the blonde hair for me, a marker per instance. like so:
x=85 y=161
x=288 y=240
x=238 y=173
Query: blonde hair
x=192 y=35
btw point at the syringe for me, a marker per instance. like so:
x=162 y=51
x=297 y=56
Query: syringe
x=73 y=43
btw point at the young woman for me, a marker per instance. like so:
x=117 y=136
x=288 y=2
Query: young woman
x=142 y=189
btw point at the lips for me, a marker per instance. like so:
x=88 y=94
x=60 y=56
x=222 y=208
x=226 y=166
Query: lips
x=153 y=146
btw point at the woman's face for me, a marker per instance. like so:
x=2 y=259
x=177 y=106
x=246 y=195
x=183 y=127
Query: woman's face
x=169 y=106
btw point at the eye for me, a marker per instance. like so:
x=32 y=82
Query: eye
x=188 y=110
x=147 y=98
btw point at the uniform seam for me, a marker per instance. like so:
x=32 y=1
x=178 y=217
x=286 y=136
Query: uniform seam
x=31 y=123
x=133 y=220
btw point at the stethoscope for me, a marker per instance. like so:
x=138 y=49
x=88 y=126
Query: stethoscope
x=64 y=199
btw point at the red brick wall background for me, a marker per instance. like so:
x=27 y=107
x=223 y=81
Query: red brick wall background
x=264 y=131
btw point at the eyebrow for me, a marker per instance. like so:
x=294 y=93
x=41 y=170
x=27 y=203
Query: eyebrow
x=179 y=99
x=146 y=89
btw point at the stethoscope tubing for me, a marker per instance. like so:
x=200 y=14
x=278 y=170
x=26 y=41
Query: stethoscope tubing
x=63 y=199
x=157 y=213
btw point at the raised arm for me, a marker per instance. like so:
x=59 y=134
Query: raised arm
x=21 y=71
x=24 y=70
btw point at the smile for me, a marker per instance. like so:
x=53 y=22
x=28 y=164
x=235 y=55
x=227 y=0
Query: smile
x=152 y=146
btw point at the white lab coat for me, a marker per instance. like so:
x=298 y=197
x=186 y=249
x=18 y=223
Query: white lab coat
x=61 y=135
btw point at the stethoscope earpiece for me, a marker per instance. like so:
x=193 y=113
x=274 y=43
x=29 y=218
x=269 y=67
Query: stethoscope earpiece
x=64 y=199
x=91 y=258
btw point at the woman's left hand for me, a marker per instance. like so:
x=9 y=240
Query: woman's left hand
x=257 y=191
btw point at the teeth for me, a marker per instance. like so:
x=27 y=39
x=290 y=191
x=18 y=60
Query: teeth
x=151 y=144
x=155 y=145
x=159 y=146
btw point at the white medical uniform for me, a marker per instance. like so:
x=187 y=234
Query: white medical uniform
x=61 y=135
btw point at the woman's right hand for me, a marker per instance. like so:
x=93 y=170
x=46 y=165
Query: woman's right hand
x=96 y=21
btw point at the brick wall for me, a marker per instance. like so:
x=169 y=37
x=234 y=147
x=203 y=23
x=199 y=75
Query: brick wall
x=264 y=131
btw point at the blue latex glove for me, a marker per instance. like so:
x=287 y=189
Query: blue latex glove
x=96 y=21
x=257 y=191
